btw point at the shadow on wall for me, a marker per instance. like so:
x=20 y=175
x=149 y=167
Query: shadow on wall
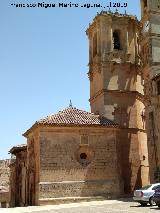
x=121 y=77
x=128 y=155
x=125 y=114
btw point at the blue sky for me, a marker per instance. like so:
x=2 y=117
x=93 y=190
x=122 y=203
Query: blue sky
x=43 y=63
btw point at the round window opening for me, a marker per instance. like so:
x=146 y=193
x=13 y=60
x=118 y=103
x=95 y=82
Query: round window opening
x=83 y=156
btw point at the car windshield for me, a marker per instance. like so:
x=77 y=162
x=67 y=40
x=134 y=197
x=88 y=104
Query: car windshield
x=146 y=187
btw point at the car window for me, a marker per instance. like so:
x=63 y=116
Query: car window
x=146 y=187
x=156 y=187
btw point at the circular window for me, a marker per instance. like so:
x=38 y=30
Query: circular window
x=84 y=155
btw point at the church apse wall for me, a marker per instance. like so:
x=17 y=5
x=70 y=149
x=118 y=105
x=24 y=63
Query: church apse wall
x=74 y=164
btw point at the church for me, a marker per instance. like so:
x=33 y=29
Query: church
x=114 y=149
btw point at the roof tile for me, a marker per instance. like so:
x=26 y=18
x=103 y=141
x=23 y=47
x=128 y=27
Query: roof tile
x=74 y=116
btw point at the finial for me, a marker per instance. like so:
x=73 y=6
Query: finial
x=116 y=11
x=70 y=103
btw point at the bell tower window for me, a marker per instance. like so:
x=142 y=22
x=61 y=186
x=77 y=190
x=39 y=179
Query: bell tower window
x=95 y=45
x=116 y=40
x=145 y=3
x=158 y=87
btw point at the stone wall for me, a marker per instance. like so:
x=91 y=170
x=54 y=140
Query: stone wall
x=33 y=163
x=75 y=189
x=64 y=174
x=4 y=173
x=4 y=183
x=18 y=180
x=153 y=130
x=133 y=158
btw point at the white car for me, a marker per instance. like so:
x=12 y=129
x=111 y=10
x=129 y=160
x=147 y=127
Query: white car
x=145 y=194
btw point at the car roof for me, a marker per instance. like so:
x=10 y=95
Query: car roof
x=155 y=184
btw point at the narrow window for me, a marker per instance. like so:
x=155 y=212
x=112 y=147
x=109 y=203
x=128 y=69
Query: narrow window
x=95 y=45
x=151 y=126
x=158 y=87
x=116 y=40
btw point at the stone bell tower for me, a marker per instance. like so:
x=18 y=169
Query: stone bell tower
x=150 y=54
x=116 y=90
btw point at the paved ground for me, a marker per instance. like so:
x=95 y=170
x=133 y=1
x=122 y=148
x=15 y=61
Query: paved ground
x=107 y=206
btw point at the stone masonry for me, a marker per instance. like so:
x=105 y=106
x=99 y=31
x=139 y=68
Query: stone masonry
x=4 y=182
x=4 y=173
x=150 y=54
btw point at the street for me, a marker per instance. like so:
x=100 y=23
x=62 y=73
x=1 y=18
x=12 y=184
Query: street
x=107 y=206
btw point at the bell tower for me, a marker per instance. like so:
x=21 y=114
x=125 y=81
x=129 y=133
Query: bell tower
x=150 y=54
x=116 y=90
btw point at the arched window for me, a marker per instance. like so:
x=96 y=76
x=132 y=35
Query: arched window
x=145 y=3
x=95 y=44
x=116 y=40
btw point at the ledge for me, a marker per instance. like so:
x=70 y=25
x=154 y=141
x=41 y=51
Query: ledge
x=60 y=200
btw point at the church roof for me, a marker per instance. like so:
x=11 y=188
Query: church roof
x=18 y=148
x=72 y=116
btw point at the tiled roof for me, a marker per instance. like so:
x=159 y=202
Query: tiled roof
x=18 y=148
x=74 y=116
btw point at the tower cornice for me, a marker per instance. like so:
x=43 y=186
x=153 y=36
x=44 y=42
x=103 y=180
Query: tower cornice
x=118 y=92
x=109 y=17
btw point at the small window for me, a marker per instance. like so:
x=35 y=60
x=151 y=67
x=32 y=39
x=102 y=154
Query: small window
x=158 y=87
x=83 y=159
x=116 y=40
x=83 y=156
